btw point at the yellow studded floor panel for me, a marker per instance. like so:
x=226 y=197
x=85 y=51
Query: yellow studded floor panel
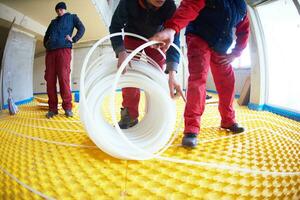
x=55 y=159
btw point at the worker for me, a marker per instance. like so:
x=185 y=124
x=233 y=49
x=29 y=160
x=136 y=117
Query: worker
x=145 y=18
x=58 y=43
x=209 y=34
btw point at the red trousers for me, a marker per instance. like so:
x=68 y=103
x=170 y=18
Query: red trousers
x=200 y=57
x=131 y=96
x=58 y=66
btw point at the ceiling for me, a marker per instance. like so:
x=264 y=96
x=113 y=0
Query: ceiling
x=254 y=3
x=43 y=12
x=249 y=2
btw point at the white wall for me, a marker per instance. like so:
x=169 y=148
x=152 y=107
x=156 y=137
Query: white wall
x=240 y=78
x=104 y=9
x=282 y=52
x=39 y=83
x=3 y=36
x=78 y=59
x=258 y=61
x=240 y=73
x=18 y=65
x=9 y=14
x=80 y=53
x=78 y=56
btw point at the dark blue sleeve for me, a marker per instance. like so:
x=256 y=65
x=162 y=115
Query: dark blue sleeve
x=80 y=29
x=47 y=35
x=118 y=22
x=173 y=55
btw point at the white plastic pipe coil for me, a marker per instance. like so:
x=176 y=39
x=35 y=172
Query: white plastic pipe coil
x=151 y=136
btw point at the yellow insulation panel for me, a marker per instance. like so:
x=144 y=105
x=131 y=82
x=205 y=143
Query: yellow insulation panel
x=55 y=159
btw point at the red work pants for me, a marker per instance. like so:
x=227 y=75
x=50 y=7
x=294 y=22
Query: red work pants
x=131 y=96
x=200 y=57
x=58 y=66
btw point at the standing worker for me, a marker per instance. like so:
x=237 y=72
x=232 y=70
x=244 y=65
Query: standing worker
x=58 y=42
x=145 y=18
x=209 y=34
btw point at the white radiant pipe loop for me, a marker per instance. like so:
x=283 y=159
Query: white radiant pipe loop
x=153 y=134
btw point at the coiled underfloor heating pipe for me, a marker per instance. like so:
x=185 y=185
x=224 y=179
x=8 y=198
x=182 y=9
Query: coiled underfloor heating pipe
x=153 y=134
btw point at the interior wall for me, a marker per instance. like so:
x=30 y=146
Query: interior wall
x=78 y=56
x=240 y=78
x=39 y=83
x=282 y=54
x=3 y=37
x=18 y=65
x=39 y=67
x=258 y=60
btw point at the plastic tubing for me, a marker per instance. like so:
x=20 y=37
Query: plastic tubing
x=153 y=134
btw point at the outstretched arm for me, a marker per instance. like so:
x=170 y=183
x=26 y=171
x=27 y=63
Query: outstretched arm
x=80 y=29
x=47 y=35
x=118 y=22
x=242 y=34
x=186 y=12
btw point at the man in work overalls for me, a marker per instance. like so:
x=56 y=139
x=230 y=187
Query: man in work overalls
x=145 y=18
x=58 y=42
x=209 y=35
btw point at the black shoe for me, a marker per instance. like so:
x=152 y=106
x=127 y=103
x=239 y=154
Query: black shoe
x=126 y=122
x=68 y=113
x=235 y=128
x=208 y=97
x=51 y=114
x=189 y=140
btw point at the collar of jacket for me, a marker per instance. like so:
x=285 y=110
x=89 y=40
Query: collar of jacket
x=67 y=13
x=144 y=4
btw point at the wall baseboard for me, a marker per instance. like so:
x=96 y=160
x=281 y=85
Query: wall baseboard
x=285 y=113
x=39 y=93
x=5 y=106
x=257 y=107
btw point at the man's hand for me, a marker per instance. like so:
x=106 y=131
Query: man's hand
x=121 y=57
x=69 y=38
x=166 y=37
x=226 y=59
x=175 y=86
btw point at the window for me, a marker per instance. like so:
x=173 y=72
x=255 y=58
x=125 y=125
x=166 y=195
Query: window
x=281 y=26
x=244 y=61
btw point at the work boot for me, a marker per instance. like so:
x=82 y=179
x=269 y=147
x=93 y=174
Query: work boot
x=235 y=128
x=51 y=114
x=189 y=140
x=68 y=113
x=126 y=122
x=208 y=97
